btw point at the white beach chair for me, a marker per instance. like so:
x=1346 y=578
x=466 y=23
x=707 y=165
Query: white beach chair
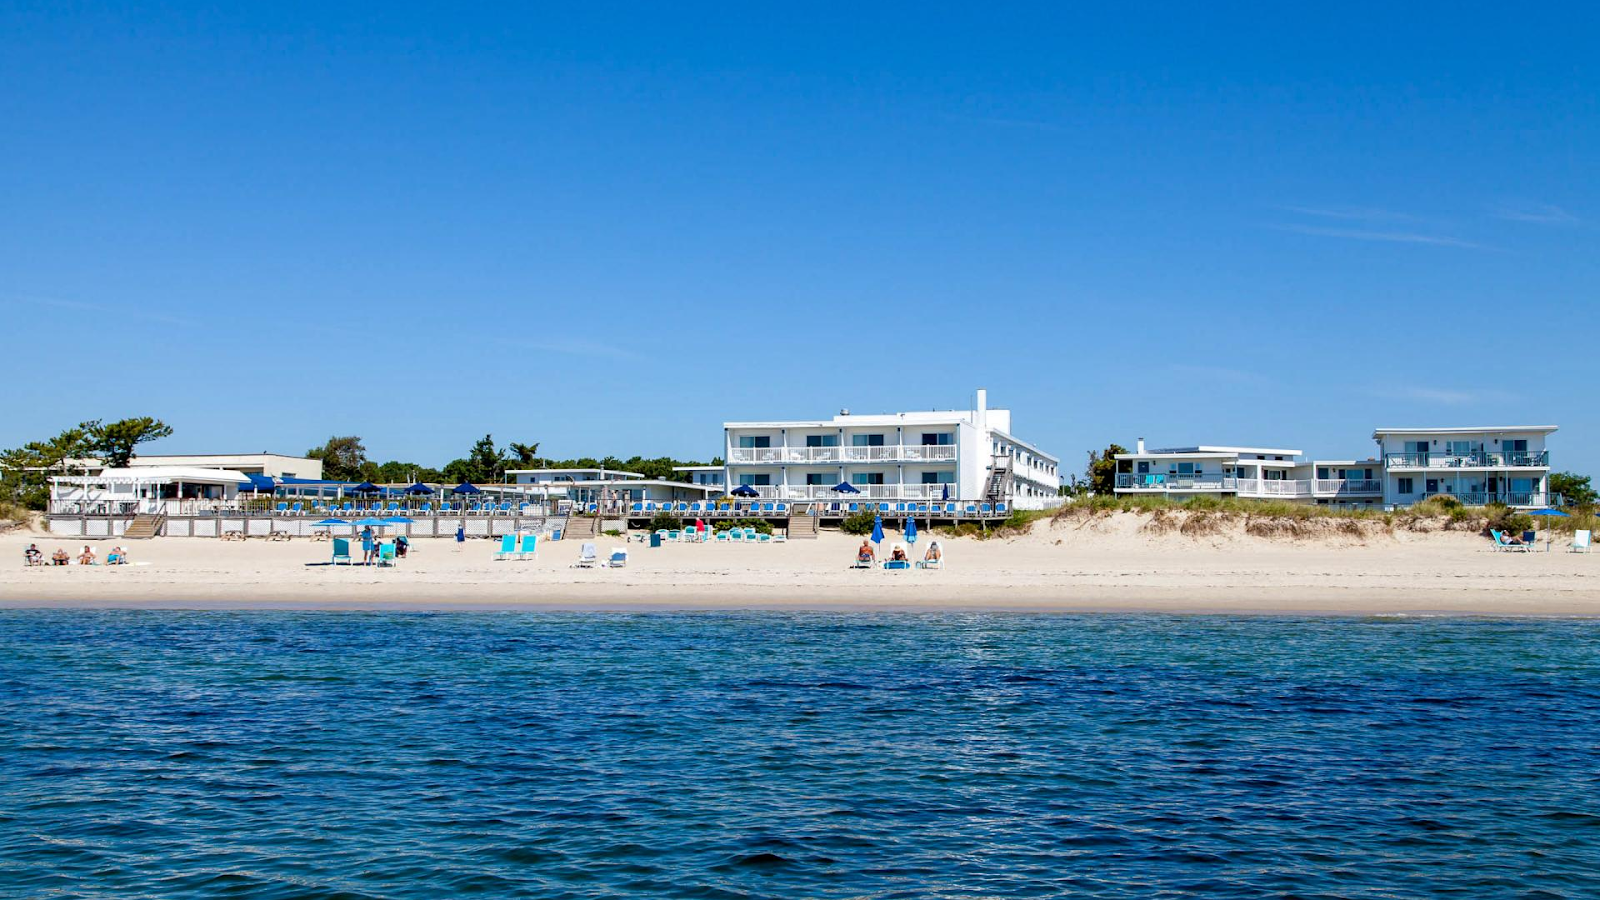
x=1580 y=542
x=587 y=557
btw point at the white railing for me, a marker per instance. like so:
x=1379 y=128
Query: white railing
x=1168 y=482
x=886 y=453
x=1344 y=486
x=1273 y=487
x=1533 y=460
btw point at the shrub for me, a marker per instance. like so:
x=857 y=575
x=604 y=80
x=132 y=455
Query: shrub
x=665 y=520
x=858 y=522
x=762 y=526
x=1504 y=518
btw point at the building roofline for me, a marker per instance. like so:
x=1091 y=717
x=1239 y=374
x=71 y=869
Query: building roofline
x=1479 y=429
x=1022 y=443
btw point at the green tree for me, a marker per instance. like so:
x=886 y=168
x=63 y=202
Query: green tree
x=26 y=470
x=342 y=458
x=114 y=442
x=527 y=455
x=488 y=464
x=1574 y=489
x=1102 y=470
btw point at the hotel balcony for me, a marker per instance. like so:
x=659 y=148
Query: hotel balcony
x=867 y=492
x=1528 y=499
x=1529 y=460
x=838 y=455
x=1273 y=487
x=1343 y=487
x=1155 y=483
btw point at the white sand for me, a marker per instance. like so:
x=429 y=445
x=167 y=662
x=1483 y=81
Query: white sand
x=1109 y=564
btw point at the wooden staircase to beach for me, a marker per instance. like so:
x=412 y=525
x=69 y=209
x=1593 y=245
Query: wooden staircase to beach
x=144 y=527
x=802 y=527
x=579 y=527
x=995 y=490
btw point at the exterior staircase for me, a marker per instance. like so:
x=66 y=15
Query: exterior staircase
x=144 y=527
x=580 y=527
x=802 y=527
x=999 y=478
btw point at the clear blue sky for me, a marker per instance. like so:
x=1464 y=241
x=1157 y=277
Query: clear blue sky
x=609 y=230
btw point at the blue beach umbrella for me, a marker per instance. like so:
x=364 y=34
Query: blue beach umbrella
x=365 y=487
x=1548 y=513
x=845 y=487
x=745 y=490
x=911 y=531
x=466 y=487
x=877 y=529
x=945 y=493
x=419 y=488
x=331 y=522
x=397 y=520
x=369 y=521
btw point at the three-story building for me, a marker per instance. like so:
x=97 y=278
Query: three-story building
x=958 y=455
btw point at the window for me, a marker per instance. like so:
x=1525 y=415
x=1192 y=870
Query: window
x=1144 y=467
x=762 y=480
x=822 y=440
x=1432 y=486
x=1517 y=446
x=754 y=442
x=818 y=478
x=861 y=478
x=866 y=440
x=1185 y=468
x=940 y=439
x=1461 y=448
x=938 y=478
x=1403 y=485
x=1322 y=473
x=1418 y=448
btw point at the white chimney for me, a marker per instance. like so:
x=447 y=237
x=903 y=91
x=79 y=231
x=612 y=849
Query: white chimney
x=982 y=412
x=1140 y=445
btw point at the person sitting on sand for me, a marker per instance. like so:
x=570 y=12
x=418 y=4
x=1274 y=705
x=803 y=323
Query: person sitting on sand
x=933 y=554
x=60 y=557
x=865 y=553
x=86 y=558
x=899 y=554
x=33 y=556
x=116 y=557
x=401 y=545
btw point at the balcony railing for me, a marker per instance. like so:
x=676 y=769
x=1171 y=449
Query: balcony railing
x=1506 y=498
x=1273 y=487
x=826 y=455
x=1169 y=482
x=1342 y=487
x=867 y=492
x=1540 y=459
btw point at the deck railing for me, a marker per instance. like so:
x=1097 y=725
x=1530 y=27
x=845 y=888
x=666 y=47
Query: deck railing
x=1340 y=487
x=1170 y=482
x=826 y=455
x=1469 y=460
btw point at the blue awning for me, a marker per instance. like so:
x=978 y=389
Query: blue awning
x=257 y=482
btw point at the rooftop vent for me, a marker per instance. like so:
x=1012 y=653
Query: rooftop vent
x=845 y=411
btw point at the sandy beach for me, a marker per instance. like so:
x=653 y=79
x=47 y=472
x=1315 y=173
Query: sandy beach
x=1111 y=564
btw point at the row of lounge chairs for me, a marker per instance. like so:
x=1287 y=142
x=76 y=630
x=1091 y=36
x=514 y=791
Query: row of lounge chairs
x=938 y=508
x=1505 y=543
x=589 y=558
x=393 y=507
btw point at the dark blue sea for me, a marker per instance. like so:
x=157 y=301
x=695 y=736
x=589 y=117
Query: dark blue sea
x=351 y=755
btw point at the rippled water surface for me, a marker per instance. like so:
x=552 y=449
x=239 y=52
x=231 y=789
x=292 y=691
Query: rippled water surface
x=279 y=755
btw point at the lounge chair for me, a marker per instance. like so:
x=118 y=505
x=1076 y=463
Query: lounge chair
x=619 y=557
x=638 y=508
x=508 y=547
x=341 y=551
x=1580 y=542
x=1502 y=542
x=587 y=558
x=530 y=546
x=722 y=536
x=896 y=564
x=386 y=554
x=425 y=508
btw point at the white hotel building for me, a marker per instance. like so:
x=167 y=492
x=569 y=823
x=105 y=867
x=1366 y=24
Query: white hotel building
x=962 y=455
x=1477 y=465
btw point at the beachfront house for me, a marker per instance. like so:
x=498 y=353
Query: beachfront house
x=1507 y=464
x=145 y=490
x=959 y=455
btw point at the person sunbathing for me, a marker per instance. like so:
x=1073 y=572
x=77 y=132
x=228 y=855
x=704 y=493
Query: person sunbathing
x=933 y=553
x=899 y=554
x=60 y=557
x=33 y=556
x=116 y=557
x=86 y=558
x=865 y=553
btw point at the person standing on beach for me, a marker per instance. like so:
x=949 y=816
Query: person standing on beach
x=366 y=545
x=461 y=536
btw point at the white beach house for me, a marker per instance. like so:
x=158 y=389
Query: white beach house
x=966 y=455
x=1507 y=464
x=706 y=476
x=583 y=486
x=1477 y=465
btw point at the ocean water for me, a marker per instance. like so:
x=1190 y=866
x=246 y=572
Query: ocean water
x=406 y=755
